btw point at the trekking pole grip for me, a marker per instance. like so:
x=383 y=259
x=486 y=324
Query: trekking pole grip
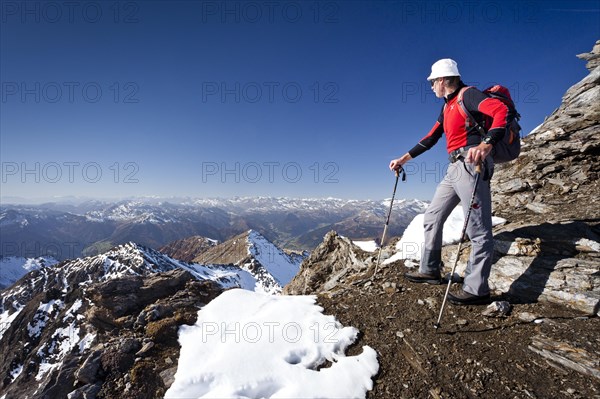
x=478 y=167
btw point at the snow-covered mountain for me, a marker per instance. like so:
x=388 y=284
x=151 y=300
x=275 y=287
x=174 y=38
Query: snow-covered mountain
x=125 y=260
x=270 y=266
x=74 y=230
x=13 y=268
x=52 y=318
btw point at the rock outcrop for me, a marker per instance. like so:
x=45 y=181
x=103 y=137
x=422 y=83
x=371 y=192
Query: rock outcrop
x=557 y=262
x=335 y=261
x=556 y=176
x=136 y=320
x=550 y=247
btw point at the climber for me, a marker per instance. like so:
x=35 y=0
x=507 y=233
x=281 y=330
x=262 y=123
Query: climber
x=466 y=148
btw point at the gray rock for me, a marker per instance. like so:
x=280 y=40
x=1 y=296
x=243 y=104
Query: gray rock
x=527 y=317
x=519 y=247
x=89 y=391
x=168 y=376
x=552 y=169
x=497 y=309
x=431 y=302
x=593 y=57
x=88 y=372
x=130 y=345
x=550 y=261
x=335 y=259
x=538 y=207
x=555 y=150
x=512 y=186
x=147 y=346
x=157 y=312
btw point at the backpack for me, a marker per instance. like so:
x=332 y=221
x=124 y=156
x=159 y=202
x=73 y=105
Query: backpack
x=509 y=147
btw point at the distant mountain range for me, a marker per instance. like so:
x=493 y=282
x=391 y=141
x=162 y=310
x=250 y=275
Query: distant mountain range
x=71 y=230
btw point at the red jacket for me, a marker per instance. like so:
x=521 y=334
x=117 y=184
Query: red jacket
x=492 y=113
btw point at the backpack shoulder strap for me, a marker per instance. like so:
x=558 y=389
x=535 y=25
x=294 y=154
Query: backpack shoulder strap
x=470 y=121
x=463 y=109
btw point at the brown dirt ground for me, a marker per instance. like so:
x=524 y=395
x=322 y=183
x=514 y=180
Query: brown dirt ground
x=470 y=355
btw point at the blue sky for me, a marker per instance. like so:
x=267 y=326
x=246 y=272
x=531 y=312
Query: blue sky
x=244 y=98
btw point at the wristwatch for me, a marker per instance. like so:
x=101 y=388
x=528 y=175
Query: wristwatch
x=487 y=140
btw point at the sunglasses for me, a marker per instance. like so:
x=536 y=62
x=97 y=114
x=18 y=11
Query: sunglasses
x=432 y=81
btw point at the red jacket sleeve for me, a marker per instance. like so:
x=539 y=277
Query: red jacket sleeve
x=429 y=140
x=499 y=113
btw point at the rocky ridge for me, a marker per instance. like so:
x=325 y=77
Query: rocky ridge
x=250 y=251
x=334 y=263
x=549 y=249
x=556 y=176
x=537 y=347
x=103 y=326
x=188 y=248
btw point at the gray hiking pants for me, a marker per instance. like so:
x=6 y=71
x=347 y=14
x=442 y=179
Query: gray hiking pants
x=457 y=187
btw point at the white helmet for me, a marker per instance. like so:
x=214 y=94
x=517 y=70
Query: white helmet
x=442 y=68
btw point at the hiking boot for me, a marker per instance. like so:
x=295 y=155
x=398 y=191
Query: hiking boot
x=426 y=278
x=462 y=297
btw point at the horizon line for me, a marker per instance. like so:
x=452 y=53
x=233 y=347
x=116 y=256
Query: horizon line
x=16 y=200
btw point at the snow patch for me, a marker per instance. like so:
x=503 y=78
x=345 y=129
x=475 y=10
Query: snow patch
x=263 y=346
x=6 y=319
x=16 y=372
x=367 y=246
x=74 y=308
x=86 y=342
x=411 y=243
x=225 y=276
x=61 y=344
x=44 y=369
x=44 y=312
x=535 y=129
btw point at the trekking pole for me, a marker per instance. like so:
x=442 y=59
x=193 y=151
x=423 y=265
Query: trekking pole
x=387 y=222
x=462 y=236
